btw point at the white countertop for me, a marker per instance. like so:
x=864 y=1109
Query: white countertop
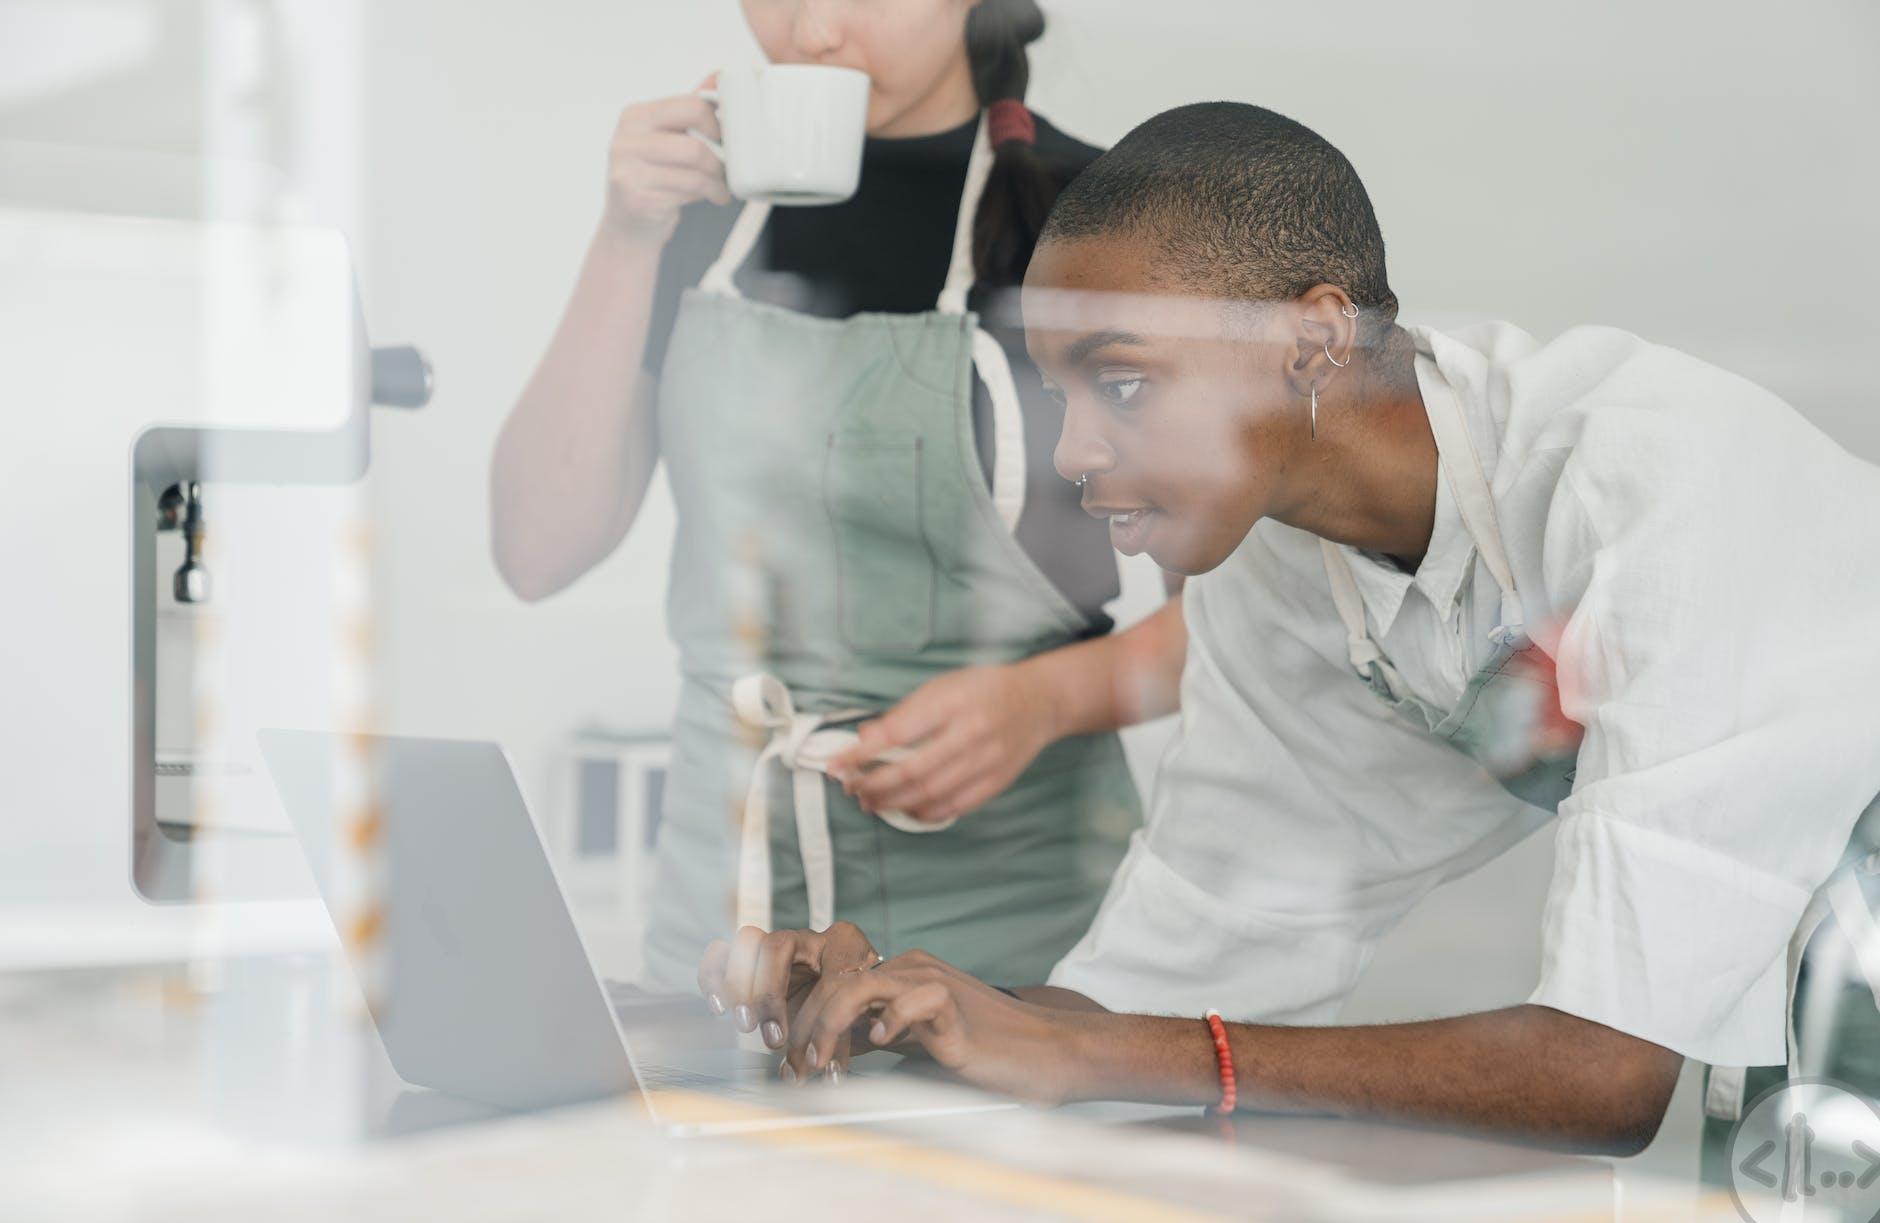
x=111 y=1104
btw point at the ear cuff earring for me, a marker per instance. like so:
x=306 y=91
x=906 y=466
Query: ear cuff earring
x=1349 y=311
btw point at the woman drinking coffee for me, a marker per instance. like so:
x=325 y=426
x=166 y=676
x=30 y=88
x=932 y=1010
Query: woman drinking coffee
x=900 y=688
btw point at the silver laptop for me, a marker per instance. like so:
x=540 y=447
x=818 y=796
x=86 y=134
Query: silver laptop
x=489 y=994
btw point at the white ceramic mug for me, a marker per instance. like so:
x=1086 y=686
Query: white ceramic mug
x=793 y=132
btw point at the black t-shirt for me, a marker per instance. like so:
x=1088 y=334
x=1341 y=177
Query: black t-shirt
x=887 y=250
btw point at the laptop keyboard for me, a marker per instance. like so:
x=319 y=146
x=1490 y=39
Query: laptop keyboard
x=658 y=1076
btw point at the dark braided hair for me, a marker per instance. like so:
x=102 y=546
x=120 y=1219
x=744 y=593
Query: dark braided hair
x=1022 y=187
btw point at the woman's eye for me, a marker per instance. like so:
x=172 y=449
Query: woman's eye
x=1119 y=389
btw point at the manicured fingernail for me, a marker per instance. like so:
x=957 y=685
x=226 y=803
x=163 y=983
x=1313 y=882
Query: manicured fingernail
x=773 y=1033
x=716 y=1004
x=835 y=1074
x=878 y=1033
x=744 y=1018
x=787 y=1074
x=809 y=1055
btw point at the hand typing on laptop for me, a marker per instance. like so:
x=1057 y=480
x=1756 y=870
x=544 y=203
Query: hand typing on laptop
x=819 y=997
x=762 y=979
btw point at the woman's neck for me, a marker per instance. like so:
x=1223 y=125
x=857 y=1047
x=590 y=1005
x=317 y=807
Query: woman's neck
x=1373 y=478
x=951 y=102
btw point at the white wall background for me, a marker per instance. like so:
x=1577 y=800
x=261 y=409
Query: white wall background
x=1703 y=173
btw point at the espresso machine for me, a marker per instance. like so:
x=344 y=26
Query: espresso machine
x=185 y=403
x=170 y=465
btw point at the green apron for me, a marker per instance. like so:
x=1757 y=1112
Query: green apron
x=837 y=547
x=1500 y=710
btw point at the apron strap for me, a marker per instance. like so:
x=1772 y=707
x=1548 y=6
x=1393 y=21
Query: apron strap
x=1009 y=461
x=804 y=744
x=989 y=359
x=761 y=701
x=960 y=274
x=1723 y=1092
x=720 y=277
x=1455 y=450
x=1008 y=428
x=1366 y=657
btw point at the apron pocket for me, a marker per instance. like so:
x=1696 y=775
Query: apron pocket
x=884 y=563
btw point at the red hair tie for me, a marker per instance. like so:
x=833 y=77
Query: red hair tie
x=1009 y=119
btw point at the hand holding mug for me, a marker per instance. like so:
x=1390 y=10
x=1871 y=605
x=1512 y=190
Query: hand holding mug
x=657 y=164
x=791 y=133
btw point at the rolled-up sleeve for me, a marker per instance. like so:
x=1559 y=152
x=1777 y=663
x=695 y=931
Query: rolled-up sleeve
x=1726 y=753
x=1667 y=940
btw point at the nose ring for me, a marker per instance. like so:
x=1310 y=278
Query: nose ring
x=1082 y=480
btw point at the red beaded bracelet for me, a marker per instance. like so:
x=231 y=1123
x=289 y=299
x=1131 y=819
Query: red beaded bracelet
x=1224 y=1056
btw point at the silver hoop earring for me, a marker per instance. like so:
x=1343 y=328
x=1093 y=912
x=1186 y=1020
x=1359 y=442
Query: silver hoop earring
x=1335 y=360
x=1349 y=310
x=1315 y=411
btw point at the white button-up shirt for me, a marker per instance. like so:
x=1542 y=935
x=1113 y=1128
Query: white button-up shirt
x=1702 y=565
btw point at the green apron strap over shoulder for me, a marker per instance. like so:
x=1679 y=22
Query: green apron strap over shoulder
x=1008 y=424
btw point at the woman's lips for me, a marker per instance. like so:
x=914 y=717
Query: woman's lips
x=1129 y=533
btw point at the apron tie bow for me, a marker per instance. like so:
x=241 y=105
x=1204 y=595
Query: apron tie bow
x=763 y=703
x=803 y=743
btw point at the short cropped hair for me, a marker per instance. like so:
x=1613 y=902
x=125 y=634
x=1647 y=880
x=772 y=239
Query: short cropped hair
x=1246 y=204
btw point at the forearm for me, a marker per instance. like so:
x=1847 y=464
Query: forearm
x=1526 y=1072
x=1058 y=999
x=1117 y=680
x=574 y=458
